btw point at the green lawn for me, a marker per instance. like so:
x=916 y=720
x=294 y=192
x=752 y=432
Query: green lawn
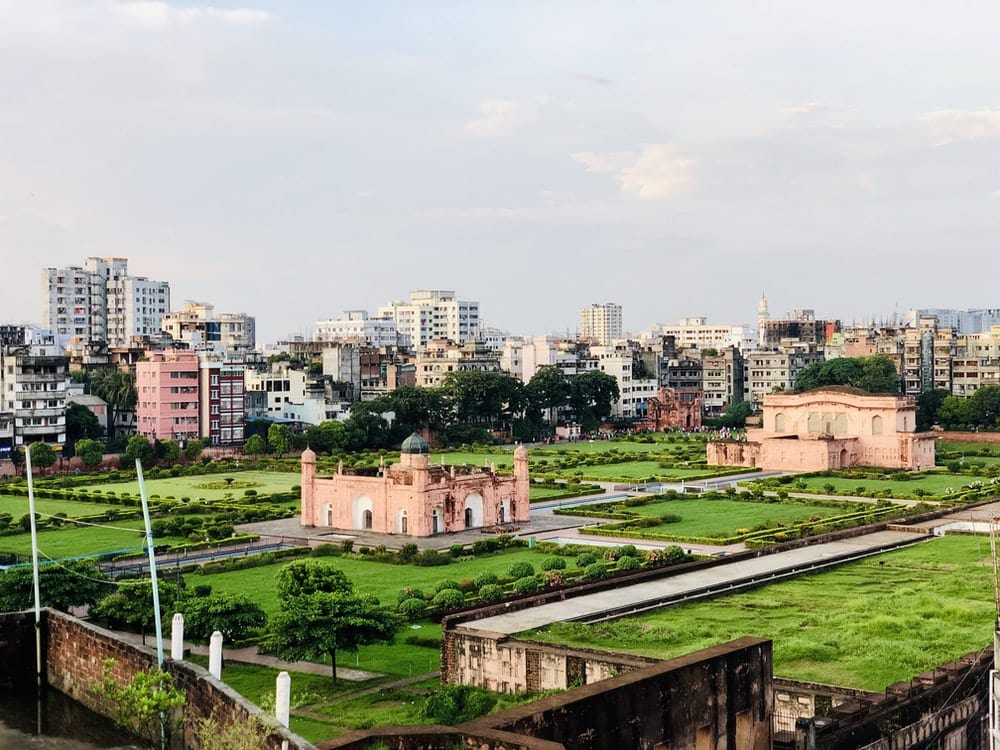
x=383 y=580
x=82 y=541
x=18 y=506
x=721 y=518
x=264 y=482
x=621 y=446
x=864 y=625
x=936 y=483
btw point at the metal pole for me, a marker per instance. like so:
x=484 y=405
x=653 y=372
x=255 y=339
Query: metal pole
x=34 y=569
x=152 y=564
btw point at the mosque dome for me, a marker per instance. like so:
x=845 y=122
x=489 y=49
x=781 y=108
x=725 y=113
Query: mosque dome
x=415 y=444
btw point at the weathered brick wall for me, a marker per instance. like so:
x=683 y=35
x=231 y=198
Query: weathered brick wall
x=75 y=654
x=969 y=437
x=718 y=699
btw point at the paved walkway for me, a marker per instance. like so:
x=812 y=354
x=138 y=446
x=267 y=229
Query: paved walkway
x=687 y=585
x=250 y=655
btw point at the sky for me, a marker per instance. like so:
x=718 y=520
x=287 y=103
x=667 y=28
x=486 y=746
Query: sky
x=292 y=159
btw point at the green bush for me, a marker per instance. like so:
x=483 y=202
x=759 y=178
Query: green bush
x=409 y=593
x=520 y=570
x=585 y=558
x=553 y=563
x=327 y=550
x=448 y=598
x=491 y=592
x=629 y=563
x=446 y=584
x=485 y=579
x=413 y=609
x=595 y=571
x=430 y=558
x=526 y=585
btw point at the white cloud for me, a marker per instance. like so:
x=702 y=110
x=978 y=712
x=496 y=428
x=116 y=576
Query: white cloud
x=951 y=125
x=657 y=171
x=498 y=117
x=155 y=15
x=800 y=110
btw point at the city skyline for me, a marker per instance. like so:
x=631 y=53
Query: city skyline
x=292 y=161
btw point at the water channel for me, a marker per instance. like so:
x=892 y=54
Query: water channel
x=55 y=723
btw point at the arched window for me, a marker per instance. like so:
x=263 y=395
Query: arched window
x=779 y=422
x=366 y=519
x=468 y=518
x=876 y=425
x=402 y=522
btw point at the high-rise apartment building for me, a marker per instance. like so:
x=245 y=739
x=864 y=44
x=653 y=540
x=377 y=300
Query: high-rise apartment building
x=432 y=314
x=601 y=323
x=166 y=384
x=696 y=332
x=220 y=401
x=32 y=395
x=100 y=304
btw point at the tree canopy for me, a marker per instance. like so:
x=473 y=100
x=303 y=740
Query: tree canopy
x=322 y=614
x=876 y=374
x=62 y=585
x=980 y=410
x=131 y=604
x=236 y=616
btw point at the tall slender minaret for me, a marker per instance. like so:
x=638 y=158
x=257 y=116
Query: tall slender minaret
x=762 y=317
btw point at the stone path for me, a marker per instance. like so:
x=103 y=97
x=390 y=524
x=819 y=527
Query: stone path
x=686 y=586
x=250 y=655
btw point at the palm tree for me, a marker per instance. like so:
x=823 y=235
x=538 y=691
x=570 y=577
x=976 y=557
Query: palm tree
x=117 y=388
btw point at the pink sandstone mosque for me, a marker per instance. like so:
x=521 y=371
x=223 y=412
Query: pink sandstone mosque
x=830 y=428
x=415 y=497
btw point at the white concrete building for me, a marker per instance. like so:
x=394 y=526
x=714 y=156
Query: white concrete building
x=356 y=327
x=634 y=393
x=282 y=384
x=101 y=304
x=200 y=327
x=522 y=357
x=33 y=383
x=601 y=323
x=432 y=314
x=697 y=333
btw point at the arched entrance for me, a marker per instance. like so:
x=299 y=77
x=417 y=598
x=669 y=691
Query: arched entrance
x=843 y=458
x=361 y=513
x=473 y=510
x=402 y=524
x=436 y=521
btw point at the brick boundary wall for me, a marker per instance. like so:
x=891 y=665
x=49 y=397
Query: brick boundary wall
x=75 y=652
x=969 y=437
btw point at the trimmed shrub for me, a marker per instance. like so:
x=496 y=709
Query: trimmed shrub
x=520 y=570
x=446 y=584
x=485 y=579
x=413 y=609
x=491 y=592
x=526 y=585
x=553 y=563
x=595 y=571
x=327 y=550
x=629 y=563
x=585 y=558
x=430 y=558
x=410 y=593
x=449 y=598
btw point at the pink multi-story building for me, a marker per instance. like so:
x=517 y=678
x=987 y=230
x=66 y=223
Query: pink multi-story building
x=167 y=386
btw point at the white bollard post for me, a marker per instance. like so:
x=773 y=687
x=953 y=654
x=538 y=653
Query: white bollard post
x=282 y=698
x=215 y=655
x=177 y=637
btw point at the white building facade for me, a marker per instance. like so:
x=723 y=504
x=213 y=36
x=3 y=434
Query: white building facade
x=432 y=314
x=601 y=323
x=356 y=327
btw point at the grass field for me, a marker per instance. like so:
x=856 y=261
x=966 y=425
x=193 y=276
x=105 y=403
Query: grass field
x=864 y=625
x=721 y=518
x=18 y=506
x=383 y=580
x=178 y=487
x=933 y=482
x=84 y=541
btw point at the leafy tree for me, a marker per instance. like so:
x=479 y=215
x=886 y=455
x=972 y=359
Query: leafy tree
x=91 y=452
x=328 y=437
x=876 y=374
x=81 y=424
x=42 y=456
x=591 y=395
x=549 y=388
x=193 y=449
x=985 y=406
x=138 y=447
x=928 y=404
x=255 y=446
x=141 y=705
x=167 y=451
x=132 y=604
x=117 y=388
x=321 y=614
x=736 y=415
x=456 y=704
x=485 y=399
x=279 y=437
x=74 y=583
x=236 y=616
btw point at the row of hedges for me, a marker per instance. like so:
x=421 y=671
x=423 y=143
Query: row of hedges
x=632 y=529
